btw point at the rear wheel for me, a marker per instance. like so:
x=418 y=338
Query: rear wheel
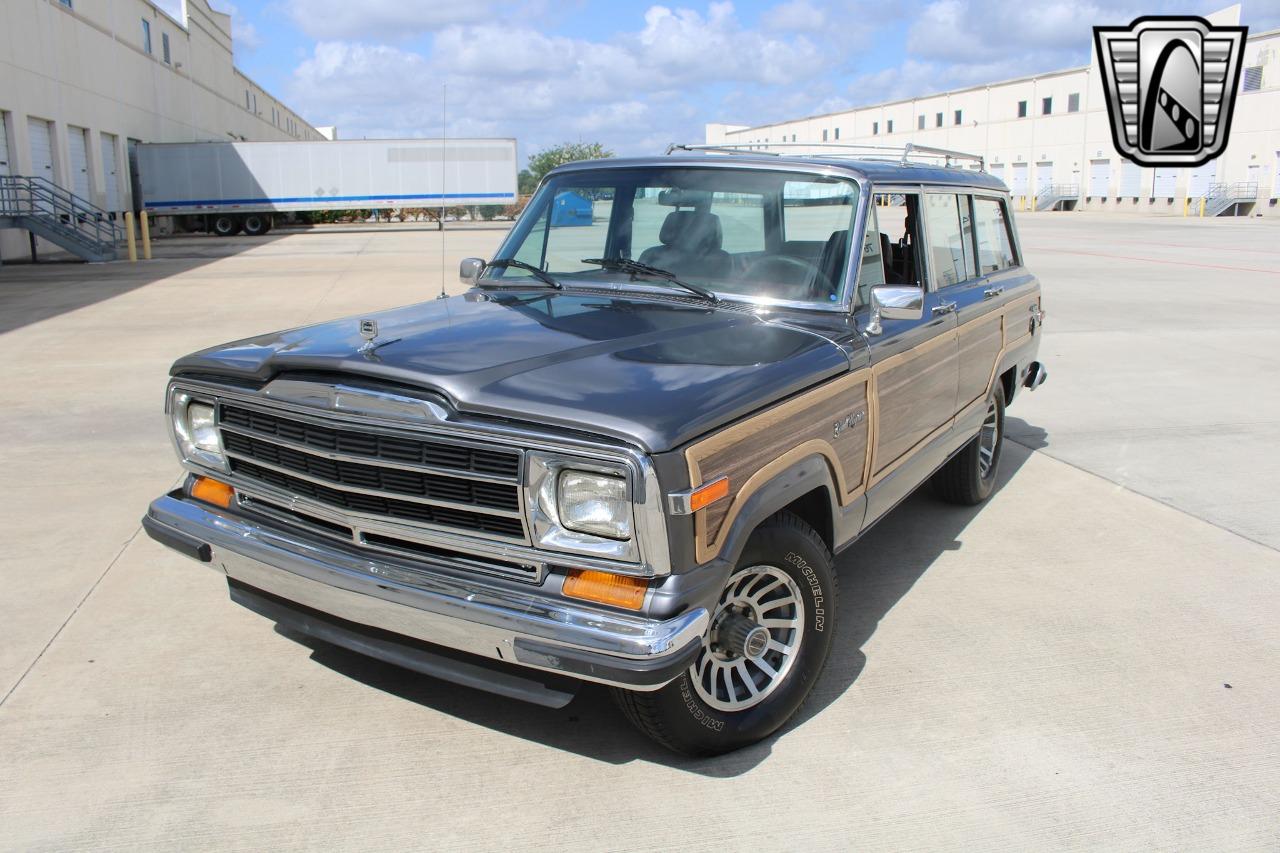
x=226 y=225
x=970 y=476
x=768 y=640
x=256 y=224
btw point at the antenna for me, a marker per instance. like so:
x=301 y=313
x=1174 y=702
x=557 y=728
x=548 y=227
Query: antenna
x=444 y=176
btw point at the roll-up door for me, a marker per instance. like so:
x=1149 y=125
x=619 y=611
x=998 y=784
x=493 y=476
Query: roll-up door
x=40 y=137
x=1202 y=178
x=1099 y=178
x=110 y=172
x=4 y=147
x=78 y=148
x=1044 y=176
x=1019 y=184
x=1165 y=183
x=1130 y=180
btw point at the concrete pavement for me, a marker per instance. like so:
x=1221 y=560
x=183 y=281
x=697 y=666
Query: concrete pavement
x=1073 y=665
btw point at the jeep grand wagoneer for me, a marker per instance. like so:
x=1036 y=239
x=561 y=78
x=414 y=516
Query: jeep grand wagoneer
x=628 y=452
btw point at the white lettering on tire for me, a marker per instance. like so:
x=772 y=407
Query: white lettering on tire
x=815 y=588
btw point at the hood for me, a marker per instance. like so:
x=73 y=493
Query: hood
x=652 y=372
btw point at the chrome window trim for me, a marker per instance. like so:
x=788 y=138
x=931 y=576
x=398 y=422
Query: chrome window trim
x=653 y=553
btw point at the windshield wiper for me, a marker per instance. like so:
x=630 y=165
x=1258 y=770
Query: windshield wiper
x=529 y=268
x=636 y=268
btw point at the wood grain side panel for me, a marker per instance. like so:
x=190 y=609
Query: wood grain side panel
x=802 y=426
x=913 y=397
x=980 y=344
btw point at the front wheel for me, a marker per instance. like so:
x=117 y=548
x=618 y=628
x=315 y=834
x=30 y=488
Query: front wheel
x=768 y=640
x=969 y=477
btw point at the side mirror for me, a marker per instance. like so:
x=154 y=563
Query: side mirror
x=892 y=302
x=470 y=269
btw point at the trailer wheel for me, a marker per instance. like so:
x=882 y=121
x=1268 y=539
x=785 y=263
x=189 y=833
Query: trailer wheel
x=256 y=224
x=226 y=225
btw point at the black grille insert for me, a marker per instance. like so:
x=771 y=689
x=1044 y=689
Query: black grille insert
x=437 y=454
x=496 y=525
x=395 y=480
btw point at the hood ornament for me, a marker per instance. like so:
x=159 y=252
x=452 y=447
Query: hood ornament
x=369 y=331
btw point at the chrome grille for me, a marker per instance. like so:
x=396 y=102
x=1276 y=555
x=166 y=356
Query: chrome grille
x=431 y=481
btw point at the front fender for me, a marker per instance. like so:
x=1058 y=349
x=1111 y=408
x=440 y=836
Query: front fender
x=789 y=485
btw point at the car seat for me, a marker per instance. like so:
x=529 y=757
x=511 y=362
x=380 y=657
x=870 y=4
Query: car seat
x=691 y=243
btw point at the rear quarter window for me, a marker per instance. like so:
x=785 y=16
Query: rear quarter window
x=995 y=246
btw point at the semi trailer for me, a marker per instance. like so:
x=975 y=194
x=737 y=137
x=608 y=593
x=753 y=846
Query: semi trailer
x=229 y=187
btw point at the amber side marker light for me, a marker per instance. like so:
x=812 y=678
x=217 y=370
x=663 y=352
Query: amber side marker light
x=212 y=491
x=606 y=588
x=705 y=496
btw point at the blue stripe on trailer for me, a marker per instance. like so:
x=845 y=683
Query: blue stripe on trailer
x=328 y=198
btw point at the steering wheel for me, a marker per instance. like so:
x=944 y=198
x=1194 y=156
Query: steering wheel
x=793 y=273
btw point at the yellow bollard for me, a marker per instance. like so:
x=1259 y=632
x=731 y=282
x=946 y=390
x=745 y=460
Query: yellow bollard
x=1186 y=206
x=128 y=230
x=146 y=236
x=1202 y=200
x=1033 y=202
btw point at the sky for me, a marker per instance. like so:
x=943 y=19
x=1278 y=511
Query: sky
x=637 y=76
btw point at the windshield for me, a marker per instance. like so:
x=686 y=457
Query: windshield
x=738 y=232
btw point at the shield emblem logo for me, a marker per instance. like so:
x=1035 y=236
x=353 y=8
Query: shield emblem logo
x=1171 y=85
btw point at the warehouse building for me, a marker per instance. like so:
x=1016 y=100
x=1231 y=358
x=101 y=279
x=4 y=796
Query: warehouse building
x=83 y=81
x=1048 y=137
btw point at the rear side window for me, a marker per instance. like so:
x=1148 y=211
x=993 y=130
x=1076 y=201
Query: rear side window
x=995 y=248
x=950 y=232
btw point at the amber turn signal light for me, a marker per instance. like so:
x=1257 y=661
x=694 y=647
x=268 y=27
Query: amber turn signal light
x=704 y=496
x=212 y=491
x=606 y=588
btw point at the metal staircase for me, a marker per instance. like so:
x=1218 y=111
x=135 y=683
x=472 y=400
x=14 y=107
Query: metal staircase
x=1223 y=197
x=1048 y=198
x=47 y=210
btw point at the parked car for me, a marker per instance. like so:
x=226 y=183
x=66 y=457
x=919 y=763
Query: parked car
x=628 y=453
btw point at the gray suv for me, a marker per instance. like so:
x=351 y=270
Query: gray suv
x=628 y=453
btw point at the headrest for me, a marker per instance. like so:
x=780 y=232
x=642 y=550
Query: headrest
x=691 y=231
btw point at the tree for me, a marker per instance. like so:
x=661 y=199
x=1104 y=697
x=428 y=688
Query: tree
x=526 y=183
x=570 y=152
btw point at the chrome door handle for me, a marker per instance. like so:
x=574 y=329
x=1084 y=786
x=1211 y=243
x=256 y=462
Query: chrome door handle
x=992 y=291
x=944 y=308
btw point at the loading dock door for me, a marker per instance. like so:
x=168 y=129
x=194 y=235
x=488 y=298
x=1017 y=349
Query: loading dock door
x=40 y=136
x=1202 y=178
x=4 y=146
x=1130 y=180
x=1019 y=184
x=110 y=172
x=78 y=148
x=1165 y=183
x=1044 y=176
x=1099 y=178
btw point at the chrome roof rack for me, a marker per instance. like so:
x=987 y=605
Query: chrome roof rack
x=902 y=154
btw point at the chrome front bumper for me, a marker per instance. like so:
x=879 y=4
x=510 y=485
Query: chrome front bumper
x=467 y=614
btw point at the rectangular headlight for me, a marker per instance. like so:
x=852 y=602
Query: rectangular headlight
x=594 y=503
x=195 y=432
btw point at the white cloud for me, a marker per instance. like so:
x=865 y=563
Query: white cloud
x=391 y=20
x=794 y=16
x=962 y=30
x=634 y=91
